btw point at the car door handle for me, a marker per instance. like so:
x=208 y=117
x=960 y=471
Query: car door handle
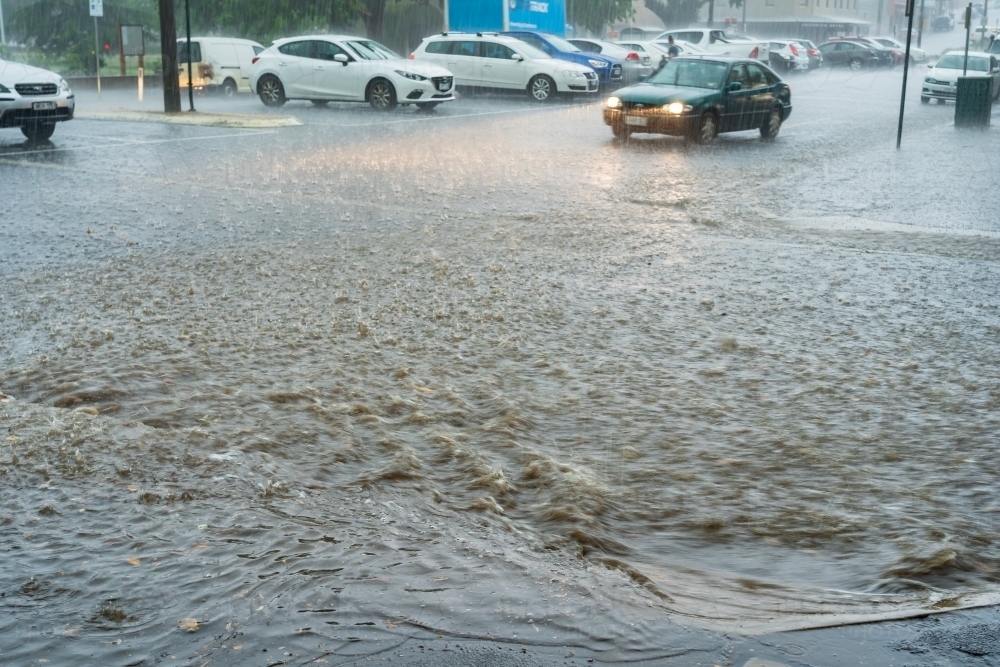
x=319 y=69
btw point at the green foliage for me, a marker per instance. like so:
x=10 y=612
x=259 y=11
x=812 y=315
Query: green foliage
x=595 y=15
x=65 y=27
x=407 y=22
x=675 y=13
x=270 y=19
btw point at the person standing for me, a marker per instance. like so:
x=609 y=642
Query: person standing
x=673 y=50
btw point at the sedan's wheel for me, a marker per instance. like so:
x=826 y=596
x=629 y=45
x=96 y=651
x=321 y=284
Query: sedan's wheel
x=229 y=88
x=772 y=125
x=320 y=103
x=271 y=92
x=924 y=99
x=856 y=65
x=707 y=129
x=38 y=132
x=542 y=88
x=381 y=95
x=427 y=106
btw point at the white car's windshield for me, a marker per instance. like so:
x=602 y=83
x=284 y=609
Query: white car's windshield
x=369 y=50
x=691 y=74
x=528 y=51
x=957 y=61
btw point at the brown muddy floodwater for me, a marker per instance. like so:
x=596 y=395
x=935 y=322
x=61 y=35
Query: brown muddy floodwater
x=565 y=425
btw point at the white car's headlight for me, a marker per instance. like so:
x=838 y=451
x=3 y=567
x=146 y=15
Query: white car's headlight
x=613 y=103
x=599 y=64
x=677 y=108
x=411 y=75
x=63 y=85
x=570 y=74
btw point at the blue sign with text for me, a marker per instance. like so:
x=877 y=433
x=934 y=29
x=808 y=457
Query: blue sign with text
x=488 y=15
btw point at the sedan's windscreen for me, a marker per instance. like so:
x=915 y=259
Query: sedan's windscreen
x=691 y=74
x=369 y=50
x=957 y=60
x=562 y=44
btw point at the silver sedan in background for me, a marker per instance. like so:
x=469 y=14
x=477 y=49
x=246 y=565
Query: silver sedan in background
x=635 y=66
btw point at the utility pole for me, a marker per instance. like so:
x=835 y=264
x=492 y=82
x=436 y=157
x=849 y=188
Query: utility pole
x=878 y=20
x=187 y=19
x=168 y=50
x=711 y=12
x=744 y=28
x=920 y=28
x=3 y=33
x=906 y=70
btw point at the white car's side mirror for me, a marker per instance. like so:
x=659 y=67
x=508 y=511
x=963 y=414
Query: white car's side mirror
x=518 y=57
x=340 y=58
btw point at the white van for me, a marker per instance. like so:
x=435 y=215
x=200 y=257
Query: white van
x=219 y=63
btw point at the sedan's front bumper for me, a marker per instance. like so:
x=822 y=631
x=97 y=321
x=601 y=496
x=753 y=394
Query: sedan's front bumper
x=653 y=121
x=435 y=89
x=20 y=111
x=941 y=90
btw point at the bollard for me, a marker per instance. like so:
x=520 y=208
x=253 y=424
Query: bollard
x=140 y=84
x=973 y=101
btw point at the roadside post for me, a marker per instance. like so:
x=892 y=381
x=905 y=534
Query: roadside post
x=3 y=33
x=920 y=28
x=97 y=11
x=968 y=32
x=187 y=19
x=132 y=42
x=906 y=71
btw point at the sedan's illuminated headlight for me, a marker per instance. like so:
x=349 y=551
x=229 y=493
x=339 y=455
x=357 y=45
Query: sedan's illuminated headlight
x=677 y=108
x=613 y=103
x=598 y=64
x=411 y=76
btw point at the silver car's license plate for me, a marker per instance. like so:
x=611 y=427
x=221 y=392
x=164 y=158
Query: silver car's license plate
x=43 y=106
x=635 y=120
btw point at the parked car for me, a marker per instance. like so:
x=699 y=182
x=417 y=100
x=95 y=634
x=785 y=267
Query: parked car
x=943 y=23
x=33 y=99
x=638 y=34
x=815 y=57
x=659 y=51
x=635 y=65
x=343 y=68
x=788 y=55
x=941 y=82
x=995 y=48
x=699 y=97
x=485 y=60
x=720 y=42
x=849 y=54
x=608 y=70
x=916 y=55
x=887 y=57
x=219 y=64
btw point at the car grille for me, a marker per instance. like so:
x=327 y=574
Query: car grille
x=940 y=83
x=18 y=117
x=442 y=83
x=36 y=89
x=639 y=108
x=616 y=72
x=590 y=75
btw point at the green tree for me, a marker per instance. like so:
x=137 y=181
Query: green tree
x=675 y=12
x=596 y=15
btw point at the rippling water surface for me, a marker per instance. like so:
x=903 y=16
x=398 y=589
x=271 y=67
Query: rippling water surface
x=545 y=421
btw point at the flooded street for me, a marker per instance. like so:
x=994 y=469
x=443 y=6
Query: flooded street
x=487 y=373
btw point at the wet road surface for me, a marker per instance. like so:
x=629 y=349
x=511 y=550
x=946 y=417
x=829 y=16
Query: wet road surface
x=487 y=375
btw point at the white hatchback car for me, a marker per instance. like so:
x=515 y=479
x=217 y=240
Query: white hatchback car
x=33 y=99
x=327 y=68
x=941 y=81
x=488 y=60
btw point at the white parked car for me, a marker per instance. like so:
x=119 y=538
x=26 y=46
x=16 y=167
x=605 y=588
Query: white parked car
x=326 y=68
x=720 y=42
x=657 y=51
x=219 y=64
x=495 y=61
x=916 y=55
x=788 y=55
x=941 y=81
x=33 y=99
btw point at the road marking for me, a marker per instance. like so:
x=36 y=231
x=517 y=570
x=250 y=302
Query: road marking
x=136 y=143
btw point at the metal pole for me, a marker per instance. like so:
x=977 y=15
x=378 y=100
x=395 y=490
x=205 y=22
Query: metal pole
x=744 y=29
x=3 y=33
x=968 y=31
x=506 y=16
x=711 y=12
x=920 y=28
x=906 y=70
x=168 y=51
x=878 y=21
x=97 y=57
x=187 y=19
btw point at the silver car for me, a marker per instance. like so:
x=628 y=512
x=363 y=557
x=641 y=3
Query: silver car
x=33 y=99
x=635 y=66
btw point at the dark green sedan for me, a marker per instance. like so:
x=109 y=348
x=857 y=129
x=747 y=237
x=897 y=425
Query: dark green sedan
x=698 y=96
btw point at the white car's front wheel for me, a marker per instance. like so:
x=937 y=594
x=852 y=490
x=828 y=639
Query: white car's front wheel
x=542 y=88
x=38 y=131
x=381 y=95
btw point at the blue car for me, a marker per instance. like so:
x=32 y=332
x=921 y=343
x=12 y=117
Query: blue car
x=609 y=70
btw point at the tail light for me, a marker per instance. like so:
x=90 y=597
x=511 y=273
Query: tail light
x=755 y=53
x=207 y=72
x=411 y=57
x=813 y=52
x=795 y=51
x=254 y=60
x=632 y=56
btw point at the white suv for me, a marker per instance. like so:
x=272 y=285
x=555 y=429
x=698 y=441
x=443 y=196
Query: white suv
x=488 y=60
x=33 y=99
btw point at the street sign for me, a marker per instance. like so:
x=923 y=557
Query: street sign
x=97 y=8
